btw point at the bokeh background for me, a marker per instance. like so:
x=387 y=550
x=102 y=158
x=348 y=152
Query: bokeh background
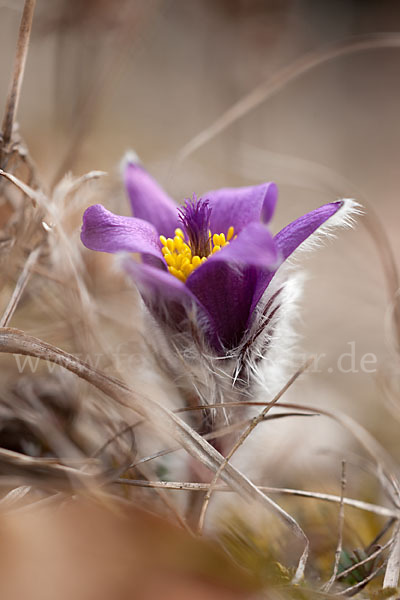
x=106 y=76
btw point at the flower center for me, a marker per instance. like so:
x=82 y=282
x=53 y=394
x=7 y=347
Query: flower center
x=195 y=218
x=180 y=258
x=193 y=244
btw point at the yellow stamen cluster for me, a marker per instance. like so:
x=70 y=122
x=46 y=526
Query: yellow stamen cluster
x=178 y=254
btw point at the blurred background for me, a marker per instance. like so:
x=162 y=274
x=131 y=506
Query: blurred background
x=103 y=77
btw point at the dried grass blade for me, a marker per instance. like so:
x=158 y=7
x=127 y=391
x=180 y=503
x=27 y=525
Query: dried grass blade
x=350 y=591
x=338 y=552
x=382 y=511
x=386 y=467
x=36 y=196
x=20 y=286
x=392 y=572
x=14 y=341
x=275 y=83
x=18 y=74
x=369 y=558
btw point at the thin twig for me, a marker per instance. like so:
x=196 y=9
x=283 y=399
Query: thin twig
x=372 y=556
x=350 y=591
x=51 y=500
x=36 y=196
x=20 y=286
x=377 y=453
x=213 y=435
x=86 y=110
x=167 y=501
x=46 y=471
x=277 y=81
x=321 y=177
x=18 y=75
x=338 y=552
x=391 y=578
x=381 y=457
x=116 y=435
x=382 y=511
x=381 y=534
x=252 y=425
x=14 y=496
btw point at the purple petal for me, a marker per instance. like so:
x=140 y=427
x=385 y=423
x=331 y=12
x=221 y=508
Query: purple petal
x=226 y=293
x=253 y=247
x=161 y=290
x=158 y=281
x=225 y=283
x=106 y=232
x=240 y=206
x=292 y=236
x=149 y=201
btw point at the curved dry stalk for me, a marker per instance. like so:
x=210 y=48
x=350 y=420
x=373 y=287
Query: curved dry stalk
x=20 y=286
x=339 y=546
x=322 y=177
x=13 y=341
x=14 y=496
x=350 y=591
x=80 y=181
x=76 y=265
x=18 y=75
x=386 y=255
x=252 y=425
x=369 y=558
x=48 y=472
x=213 y=435
x=39 y=198
x=380 y=456
x=276 y=82
x=168 y=503
x=381 y=511
x=392 y=572
x=36 y=196
x=111 y=68
x=115 y=436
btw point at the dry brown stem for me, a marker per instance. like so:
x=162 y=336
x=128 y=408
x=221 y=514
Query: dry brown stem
x=392 y=572
x=276 y=82
x=20 y=286
x=382 y=511
x=17 y=77
x=339 y=546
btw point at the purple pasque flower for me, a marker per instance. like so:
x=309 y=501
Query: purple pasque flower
x=214 y=254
